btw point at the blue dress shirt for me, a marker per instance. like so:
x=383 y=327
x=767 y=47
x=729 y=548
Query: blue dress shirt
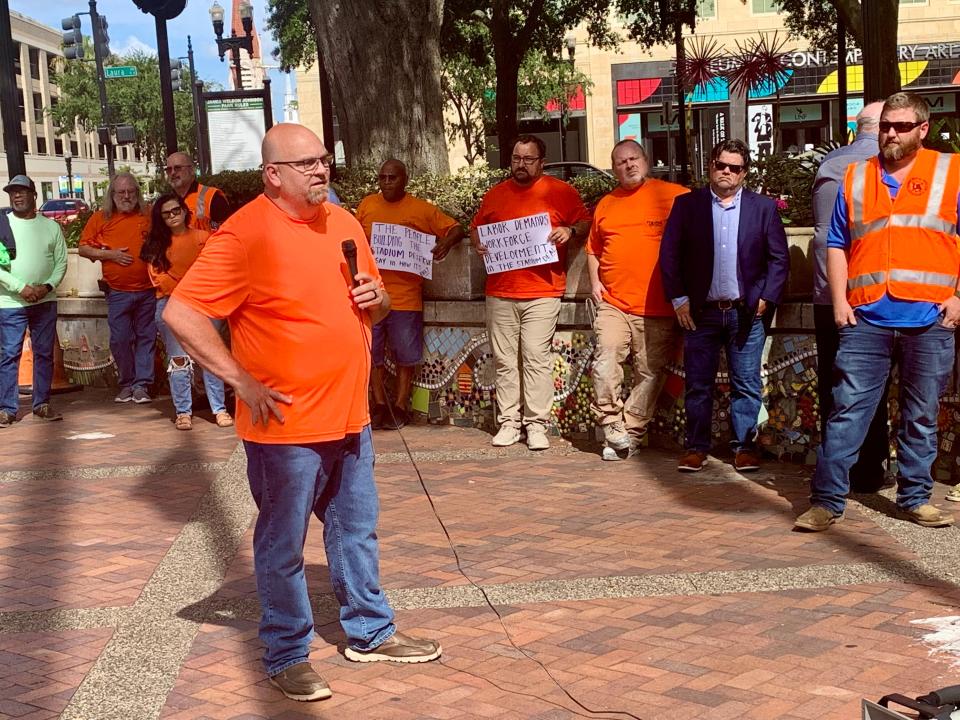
x=725 y=284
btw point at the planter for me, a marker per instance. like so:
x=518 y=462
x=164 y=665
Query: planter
x=81 y=277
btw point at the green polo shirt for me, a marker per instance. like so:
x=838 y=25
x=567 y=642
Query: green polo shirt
x=41 y=259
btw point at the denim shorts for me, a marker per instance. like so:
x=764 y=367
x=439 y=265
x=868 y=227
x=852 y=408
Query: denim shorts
x=403 y=330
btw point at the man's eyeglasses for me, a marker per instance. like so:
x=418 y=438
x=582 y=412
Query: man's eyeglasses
x=171 y=169
x=899 y=127
x=721 y=166
x=307 y=165
x=517 y=160
x=172 y=212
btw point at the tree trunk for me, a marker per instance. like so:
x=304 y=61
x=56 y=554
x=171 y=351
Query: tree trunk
x=383 y=65
x=881 y=69
x=508 y=74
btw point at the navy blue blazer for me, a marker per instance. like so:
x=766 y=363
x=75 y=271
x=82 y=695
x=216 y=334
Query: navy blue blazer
x=686 y=252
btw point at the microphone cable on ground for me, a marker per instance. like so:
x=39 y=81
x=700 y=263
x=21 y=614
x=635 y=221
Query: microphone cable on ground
x=486 y=598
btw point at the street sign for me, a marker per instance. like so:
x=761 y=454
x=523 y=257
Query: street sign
x=120 y=71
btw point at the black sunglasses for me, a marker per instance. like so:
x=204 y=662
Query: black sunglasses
x=899 y=127
x=735 y=169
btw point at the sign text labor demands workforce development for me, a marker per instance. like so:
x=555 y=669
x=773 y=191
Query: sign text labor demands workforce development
x=518 y=243
x=397 y=247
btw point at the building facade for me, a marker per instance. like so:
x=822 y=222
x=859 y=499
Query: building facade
x=631 y=85
x=37 y=50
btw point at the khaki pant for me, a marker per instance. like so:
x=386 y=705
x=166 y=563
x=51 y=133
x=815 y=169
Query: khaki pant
x=653 y=342
x=521 y=335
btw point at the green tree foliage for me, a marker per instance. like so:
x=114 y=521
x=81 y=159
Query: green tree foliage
x=133 y=101
x=292 y=28
x=469 y=86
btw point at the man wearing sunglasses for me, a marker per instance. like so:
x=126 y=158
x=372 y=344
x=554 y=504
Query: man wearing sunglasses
x=893 y=267
x=208 y=206
x=725 y=263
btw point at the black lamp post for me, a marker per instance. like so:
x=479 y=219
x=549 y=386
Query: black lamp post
x=234 y=43
x=68 y=159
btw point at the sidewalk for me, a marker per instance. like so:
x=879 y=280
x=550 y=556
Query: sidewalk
x=127 y=592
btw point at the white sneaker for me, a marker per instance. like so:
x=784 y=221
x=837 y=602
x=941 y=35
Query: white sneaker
x=506 y=436
x=537 y=439
x=615 y=435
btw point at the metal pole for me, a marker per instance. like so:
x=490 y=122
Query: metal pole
x=69 y=161
x=102 y=87
x=684 y=177
x=196 y=105
x=267 y=104
x=235 y=57
x=842 y=79
x=12 y=139
x=166 y=87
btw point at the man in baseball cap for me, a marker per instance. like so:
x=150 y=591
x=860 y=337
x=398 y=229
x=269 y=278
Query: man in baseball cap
x=28 y=300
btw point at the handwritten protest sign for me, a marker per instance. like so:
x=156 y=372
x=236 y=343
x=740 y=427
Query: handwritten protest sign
x=517 y=243
x=397 y=247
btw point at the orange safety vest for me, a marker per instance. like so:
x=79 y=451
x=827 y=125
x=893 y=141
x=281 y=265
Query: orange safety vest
x=905 y=246
x=199 y=203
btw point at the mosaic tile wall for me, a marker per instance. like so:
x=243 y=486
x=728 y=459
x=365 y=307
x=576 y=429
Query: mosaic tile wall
x=455 y=385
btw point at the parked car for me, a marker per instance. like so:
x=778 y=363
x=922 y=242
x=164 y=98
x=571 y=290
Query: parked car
x=63 y=210
x=569 y=170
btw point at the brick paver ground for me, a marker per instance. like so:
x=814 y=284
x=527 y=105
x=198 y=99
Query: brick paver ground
x=639 y=589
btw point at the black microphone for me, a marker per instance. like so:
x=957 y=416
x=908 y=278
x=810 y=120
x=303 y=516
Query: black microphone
x=349 y=248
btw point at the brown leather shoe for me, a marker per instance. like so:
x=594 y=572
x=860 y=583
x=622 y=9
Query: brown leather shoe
x=927 y=515
x=746 y=460
x=400 y=648
x=302 y=683
x=692 y=461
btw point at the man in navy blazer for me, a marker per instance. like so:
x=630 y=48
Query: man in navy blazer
x=725 y=263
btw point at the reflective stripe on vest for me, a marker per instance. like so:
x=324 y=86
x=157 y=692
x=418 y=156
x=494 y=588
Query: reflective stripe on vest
x=860 y=281
x=930 y=220
x=201 y=211
x=923 y=277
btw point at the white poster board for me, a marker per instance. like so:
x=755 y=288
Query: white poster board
x=518 y=243
x=760 y=130
x=236 y=129
x=397 y=247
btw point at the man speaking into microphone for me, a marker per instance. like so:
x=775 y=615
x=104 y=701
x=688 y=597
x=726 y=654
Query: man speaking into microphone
x=300 y=325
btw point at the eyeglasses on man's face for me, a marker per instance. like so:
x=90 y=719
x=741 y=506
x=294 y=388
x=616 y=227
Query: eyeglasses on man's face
x=307 y=165
x=171 y=169
x=901 y=128
x=172 y=212
x=721 y=166
x=520 y=160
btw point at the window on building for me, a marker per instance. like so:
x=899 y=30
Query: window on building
x=46 y=190
x=38 y=107
x=41 y=145
x=74 y=148
x=34 y=55
x=706 y=9
x=26 y=143
x=16 y=58
x=58 y=147
x=23 y=110
x=101 y=152
x=765 y=7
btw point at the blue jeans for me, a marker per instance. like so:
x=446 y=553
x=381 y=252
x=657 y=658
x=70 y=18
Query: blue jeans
x=42 y=321
x=180 y=370
x=403 y=330
x=716 y=330
x=334 y=481
x=925 y=358
x=133 y=335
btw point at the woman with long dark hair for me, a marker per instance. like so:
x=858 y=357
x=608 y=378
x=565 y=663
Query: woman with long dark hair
x=169 y=250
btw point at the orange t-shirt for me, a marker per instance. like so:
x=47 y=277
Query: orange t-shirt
x=625 y=236
x=404 y=288
x=284 y=286
x=182 y=253
x=120 y=231
x=508 y=201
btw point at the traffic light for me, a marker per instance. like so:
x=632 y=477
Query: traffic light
x=72 y=38
x=176 y=68
x=100 y=36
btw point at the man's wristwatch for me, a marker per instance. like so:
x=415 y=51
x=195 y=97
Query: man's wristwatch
x=48 y=286
x=573 y=231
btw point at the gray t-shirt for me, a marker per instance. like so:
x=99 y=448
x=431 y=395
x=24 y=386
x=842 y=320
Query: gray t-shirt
x=825 y=189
